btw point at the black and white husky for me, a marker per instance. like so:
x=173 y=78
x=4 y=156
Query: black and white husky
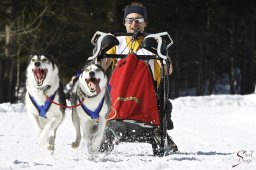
x=43 y=87
x=91 y=91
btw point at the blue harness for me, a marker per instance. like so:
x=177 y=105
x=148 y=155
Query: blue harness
x=42 y=109
x=94 y=114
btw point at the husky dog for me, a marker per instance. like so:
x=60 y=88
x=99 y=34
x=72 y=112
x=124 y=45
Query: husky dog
x=91 y=91
x=43 y=87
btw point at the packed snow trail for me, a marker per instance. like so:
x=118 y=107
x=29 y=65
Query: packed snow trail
x=210 y=131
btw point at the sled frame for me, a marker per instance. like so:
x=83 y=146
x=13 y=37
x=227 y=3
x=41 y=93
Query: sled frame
x=163 y=90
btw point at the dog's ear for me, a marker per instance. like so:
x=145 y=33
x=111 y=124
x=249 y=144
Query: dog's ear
x=87 y=63
x=51 y=58
x=29 y=58
x=100 y=67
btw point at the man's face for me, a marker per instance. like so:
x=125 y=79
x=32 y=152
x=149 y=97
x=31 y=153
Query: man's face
x=134 y=22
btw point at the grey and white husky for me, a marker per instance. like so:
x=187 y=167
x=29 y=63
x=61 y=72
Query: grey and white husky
x=43 y=87
x=92 y=93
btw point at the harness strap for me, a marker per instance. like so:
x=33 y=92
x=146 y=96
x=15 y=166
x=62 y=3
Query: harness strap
x=42 y=109
x=94 y=114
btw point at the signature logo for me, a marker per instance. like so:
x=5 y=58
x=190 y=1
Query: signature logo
x=243 y=156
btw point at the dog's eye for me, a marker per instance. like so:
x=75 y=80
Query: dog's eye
x=33 y=60
x=44 y=60
x=97 y=70
x=87 y=70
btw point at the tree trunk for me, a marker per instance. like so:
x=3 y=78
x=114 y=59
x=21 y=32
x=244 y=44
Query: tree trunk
x=9 y=92
x=212 y=82
x=244 y=61
x=199 y=86
x=210 y=71
x=17 y=86
x=250 y=48
x=1 y=81
x=176 y=82
x=232 y=57
x=247 y=71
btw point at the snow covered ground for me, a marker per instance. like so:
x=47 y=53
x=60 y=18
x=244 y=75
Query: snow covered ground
x=212 y=132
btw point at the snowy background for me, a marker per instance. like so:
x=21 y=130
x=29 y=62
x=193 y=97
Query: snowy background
x=209 y=132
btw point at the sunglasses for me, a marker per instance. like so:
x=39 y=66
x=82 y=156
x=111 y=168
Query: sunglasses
x=137 y=20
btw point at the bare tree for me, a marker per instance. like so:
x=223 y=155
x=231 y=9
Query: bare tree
x=17 y=28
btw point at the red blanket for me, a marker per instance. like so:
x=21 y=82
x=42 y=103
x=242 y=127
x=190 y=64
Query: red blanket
x=132 y=92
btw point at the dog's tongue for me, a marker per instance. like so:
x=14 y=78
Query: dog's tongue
x=39 y=73
x=92 y=85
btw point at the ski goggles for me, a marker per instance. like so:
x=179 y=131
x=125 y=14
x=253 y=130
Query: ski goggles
x=137 y=20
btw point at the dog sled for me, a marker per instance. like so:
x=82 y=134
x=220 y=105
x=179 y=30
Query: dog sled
x=135 y=96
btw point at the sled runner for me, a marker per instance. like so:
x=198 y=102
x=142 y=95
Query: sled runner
x=135 y=96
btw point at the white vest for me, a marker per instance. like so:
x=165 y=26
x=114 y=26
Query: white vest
x=123 y=49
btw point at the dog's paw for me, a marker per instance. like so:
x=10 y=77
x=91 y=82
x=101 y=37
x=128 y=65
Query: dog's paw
x=51 y=149
x=75 y=145
x=96 y=143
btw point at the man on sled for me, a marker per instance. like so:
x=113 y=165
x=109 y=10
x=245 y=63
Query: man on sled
x=134 y=88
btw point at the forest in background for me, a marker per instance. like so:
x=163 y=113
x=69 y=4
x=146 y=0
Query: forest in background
x=213 y=51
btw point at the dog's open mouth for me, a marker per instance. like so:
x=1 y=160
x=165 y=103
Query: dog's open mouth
x=39 y=75
x=93 y=85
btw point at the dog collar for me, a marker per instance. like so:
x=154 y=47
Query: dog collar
x=94 y=114
x=42 y=109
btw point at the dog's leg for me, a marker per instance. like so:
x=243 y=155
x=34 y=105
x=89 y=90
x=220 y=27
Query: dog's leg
x=36 y=124
x=76 y=123
x=52 y=140
x=98 y=137
x=87 y=134
x=49 y=127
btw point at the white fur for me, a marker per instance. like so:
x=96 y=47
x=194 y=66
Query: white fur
x=92 y=130
x=46 y=127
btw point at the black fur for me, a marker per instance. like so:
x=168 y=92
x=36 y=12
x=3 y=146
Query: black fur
x=62 y=99
x=92 y=63
x=50 y=58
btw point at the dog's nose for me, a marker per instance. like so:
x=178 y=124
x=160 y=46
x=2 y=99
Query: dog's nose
x=37 y=64
x=92 y=73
